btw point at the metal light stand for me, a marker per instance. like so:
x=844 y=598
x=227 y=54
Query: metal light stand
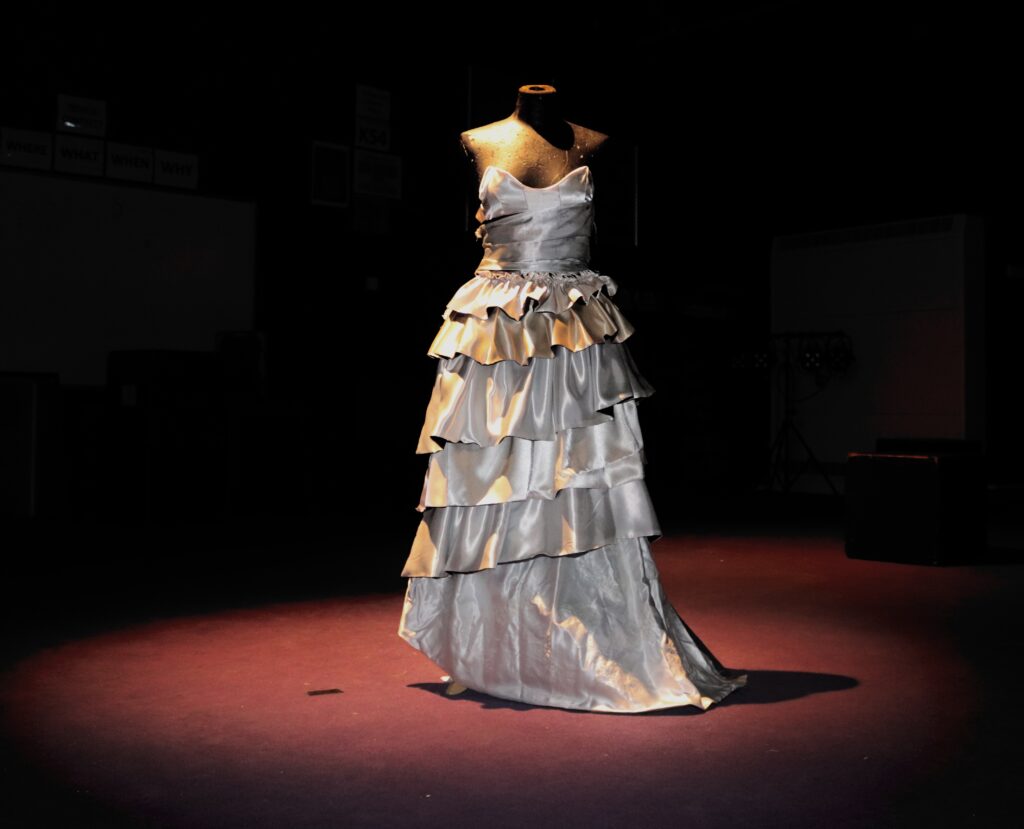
x=780 y=451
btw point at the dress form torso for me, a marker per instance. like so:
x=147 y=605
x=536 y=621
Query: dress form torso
x=535 y=144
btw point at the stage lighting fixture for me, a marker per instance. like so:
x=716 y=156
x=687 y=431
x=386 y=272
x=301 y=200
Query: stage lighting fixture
x=811 y=357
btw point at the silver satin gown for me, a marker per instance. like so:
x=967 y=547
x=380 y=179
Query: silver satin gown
x=530 y=576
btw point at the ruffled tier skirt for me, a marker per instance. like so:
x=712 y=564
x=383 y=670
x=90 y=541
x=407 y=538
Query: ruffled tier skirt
x=530 y=576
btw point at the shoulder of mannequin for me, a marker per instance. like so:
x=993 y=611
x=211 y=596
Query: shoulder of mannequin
x=486 y=132
x=591 y=139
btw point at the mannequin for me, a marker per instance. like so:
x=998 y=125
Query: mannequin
x=531 y=576
x=538 y=147
x=535 y=143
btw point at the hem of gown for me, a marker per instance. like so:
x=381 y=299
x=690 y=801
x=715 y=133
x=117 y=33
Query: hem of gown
x=737 y=680
x=702 y=701
x=685 y=658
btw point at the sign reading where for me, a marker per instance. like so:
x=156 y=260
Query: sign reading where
x=26 y=148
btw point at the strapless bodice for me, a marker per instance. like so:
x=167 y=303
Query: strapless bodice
x=526 y=228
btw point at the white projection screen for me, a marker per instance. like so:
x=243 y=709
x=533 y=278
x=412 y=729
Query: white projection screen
x=910 y=295
x=89 y=267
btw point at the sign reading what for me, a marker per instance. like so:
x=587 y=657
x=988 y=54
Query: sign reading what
x=78 y=154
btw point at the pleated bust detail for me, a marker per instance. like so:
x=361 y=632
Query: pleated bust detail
x=535 y=228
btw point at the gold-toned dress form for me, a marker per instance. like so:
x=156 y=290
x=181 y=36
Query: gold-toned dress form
x=530 y=576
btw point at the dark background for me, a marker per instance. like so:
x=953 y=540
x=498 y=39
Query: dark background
x=747 y=121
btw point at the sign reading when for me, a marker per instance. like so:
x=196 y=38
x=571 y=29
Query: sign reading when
x=130 y=163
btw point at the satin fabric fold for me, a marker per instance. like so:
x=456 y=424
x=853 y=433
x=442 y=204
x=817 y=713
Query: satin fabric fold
x=519 y=241
x=467 y=539
x=600 y=456
x=476 y=403
x=514 y=292
x=536 y=334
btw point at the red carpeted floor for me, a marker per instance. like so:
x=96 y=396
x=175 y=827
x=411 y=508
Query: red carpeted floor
x=879 y=695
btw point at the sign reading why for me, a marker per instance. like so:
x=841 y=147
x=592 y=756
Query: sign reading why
x=85 y=116
x=131 y=163
x=78 y=154
x=26 y=148
x=176 y=169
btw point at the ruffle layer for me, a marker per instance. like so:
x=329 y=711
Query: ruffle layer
x=467 y=539
x=514 y=291
x=499 y=337
x=534 y=450
x=478 y=403
x=595 y=457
